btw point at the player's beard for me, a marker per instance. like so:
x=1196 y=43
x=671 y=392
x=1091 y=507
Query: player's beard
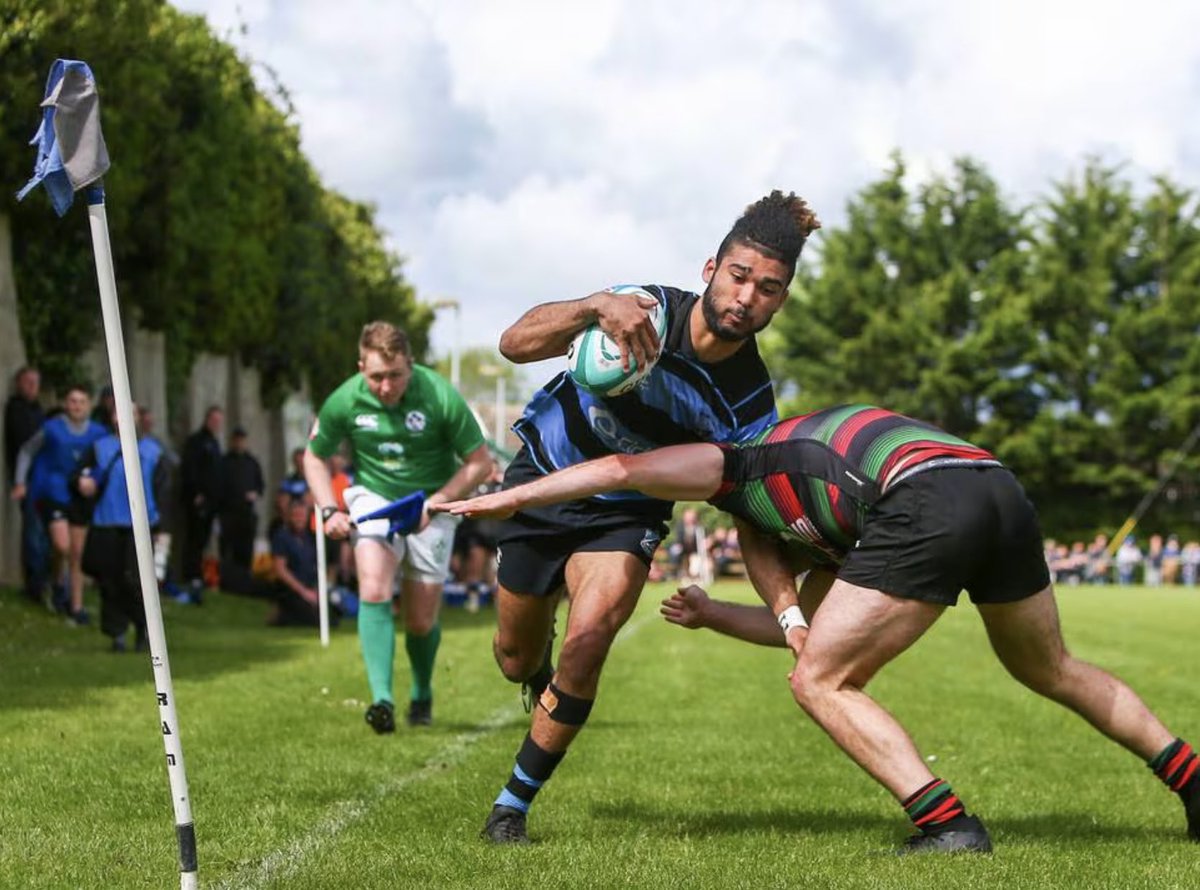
x=712 y=318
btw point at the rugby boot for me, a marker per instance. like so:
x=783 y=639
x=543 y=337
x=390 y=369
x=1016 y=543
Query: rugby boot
x=382 y=717
x=1191 y=805
x=420 y=713
x=505 y=825
x=964 y=834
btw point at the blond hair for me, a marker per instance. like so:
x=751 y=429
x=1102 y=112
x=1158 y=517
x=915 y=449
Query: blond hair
x=385 y=338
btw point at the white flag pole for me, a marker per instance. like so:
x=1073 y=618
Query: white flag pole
x=127 y=428
x=322 y=580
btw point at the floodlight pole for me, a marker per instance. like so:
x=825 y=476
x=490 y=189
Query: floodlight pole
x=127 y=429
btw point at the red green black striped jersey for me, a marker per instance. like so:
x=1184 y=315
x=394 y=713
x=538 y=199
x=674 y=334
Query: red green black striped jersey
x=812 y=479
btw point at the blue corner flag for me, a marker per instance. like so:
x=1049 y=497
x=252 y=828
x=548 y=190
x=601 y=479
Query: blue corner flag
x=70 y=147
x=403 y=515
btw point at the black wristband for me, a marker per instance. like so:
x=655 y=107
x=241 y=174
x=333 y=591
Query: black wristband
x=327 y=512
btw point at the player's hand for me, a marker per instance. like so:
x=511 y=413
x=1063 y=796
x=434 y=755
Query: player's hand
x=687 y=607
x=628 y=323
x=498 y=505
x=796 y=638
x=87 y=486
x=17 y=493
x=337 y=526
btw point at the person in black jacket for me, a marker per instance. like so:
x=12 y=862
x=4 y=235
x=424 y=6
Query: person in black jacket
x=23 y=418
x=241 y=490
x=200 y=471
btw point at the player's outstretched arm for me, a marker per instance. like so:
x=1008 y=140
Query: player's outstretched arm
x=545 y=331
x=677 y=473
x=692 y=607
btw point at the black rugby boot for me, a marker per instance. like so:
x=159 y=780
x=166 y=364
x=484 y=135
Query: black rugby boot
x=964 y=834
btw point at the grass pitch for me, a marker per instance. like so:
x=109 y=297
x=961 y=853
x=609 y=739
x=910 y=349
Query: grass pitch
x=696 y=769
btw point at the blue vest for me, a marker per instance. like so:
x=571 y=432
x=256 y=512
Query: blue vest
x=59 y=455
x=112 y=506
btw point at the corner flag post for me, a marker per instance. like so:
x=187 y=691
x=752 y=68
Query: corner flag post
x=72 y=156
x=322 y=580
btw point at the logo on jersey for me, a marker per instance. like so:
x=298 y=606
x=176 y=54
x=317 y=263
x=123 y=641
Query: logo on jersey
x=316 y=429
x=499 y=556
x=606 y=428
x=649 y=542
x=391 y=448
x=414 y=421
x=367 y=422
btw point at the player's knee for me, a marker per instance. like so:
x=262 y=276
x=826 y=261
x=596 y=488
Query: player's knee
x=419 y=625
x=516 y=664
x=1050 y=678
x=812 y=684
x=583 y=654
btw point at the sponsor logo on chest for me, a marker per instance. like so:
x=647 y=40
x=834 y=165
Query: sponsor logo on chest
x=367 y=422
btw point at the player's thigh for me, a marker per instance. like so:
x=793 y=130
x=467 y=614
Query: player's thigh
x=1026 y=635
x=604 y=588
x=523 y=621
x=857 y=631
x=376 y=564
x=427 y=553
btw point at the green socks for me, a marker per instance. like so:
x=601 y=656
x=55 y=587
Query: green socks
x=377 y=636
x=422 y=651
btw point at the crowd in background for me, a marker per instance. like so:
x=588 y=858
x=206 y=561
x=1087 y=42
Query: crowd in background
x=1165 y=561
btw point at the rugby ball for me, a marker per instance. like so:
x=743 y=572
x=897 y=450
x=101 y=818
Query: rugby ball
x=594 y=358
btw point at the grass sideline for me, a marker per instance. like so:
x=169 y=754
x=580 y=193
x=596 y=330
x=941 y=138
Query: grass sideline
x=696 y=769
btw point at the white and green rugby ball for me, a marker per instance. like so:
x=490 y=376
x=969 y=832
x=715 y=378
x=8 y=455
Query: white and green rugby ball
x=594 y=358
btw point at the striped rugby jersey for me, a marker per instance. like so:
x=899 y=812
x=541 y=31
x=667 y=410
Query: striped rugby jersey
x=681 y=400
x=811 y=479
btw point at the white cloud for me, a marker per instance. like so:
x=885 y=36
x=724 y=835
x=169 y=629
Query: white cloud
x=533 y=150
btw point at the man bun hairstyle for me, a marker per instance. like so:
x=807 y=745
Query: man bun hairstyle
x=776 y=226
x=385 y=338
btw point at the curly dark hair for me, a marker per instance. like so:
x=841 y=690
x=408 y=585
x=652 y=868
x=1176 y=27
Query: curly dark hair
x=777 y=226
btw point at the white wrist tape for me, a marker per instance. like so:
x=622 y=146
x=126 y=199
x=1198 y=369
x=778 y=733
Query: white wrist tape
x=791 y=617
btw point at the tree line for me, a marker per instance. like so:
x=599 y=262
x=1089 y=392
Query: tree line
x=1062 y=335
x=223 y=235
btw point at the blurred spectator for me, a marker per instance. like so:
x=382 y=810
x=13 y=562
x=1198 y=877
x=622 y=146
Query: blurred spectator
x=241 y=488
x=50 y=458
x=475 y=551
x=1152 y=573
x=164 y=531
x=725 y=553
x=1129 y=556
x=23 y=418
x=1170 y=560
x=200 y=471
x=105 y=412
x=689 y=549
x=294 y=549
x=293 y=486
x=1189 y=562
x=110 y=555
x=1098 y=562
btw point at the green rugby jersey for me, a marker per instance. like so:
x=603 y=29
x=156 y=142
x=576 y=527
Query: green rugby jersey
x=414 y=445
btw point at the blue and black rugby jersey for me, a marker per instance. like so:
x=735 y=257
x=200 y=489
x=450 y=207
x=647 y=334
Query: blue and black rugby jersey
x=681 y=400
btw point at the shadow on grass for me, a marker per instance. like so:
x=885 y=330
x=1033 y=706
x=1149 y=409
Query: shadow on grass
x=1041 y=827
x=45 y=663
x=711 y=823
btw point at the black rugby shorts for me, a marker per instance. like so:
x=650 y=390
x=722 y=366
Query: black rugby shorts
x=947 y=530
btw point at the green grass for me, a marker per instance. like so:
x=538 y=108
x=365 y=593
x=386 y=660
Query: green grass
x=696 y=769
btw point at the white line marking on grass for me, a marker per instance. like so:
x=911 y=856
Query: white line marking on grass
x=286 y=861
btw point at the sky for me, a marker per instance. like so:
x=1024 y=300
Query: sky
x=532 y=150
